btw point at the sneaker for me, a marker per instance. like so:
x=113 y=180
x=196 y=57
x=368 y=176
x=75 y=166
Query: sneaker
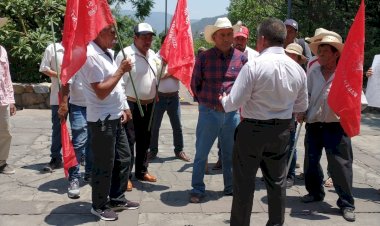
x=7 y=169
x=54 y=163
x=87 y=178
x=124 y=205
x=73 y=189
x=289 y=182
x=348 y=214
x=105 y=214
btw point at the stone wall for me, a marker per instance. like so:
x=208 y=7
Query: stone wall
x=32 y=96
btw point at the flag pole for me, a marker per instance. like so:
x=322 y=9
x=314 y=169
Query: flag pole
x=130 y=76
x=156 y=96
x=294 y=147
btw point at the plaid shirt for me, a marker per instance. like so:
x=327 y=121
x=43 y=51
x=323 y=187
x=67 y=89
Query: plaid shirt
x=214 y=74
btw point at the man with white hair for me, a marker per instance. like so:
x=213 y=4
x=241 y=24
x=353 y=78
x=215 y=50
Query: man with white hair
x=214 y=73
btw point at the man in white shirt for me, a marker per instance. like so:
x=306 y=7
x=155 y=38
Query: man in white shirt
x=146 y=66
x=107 y=109
x=49 y=68
x=241 y=38
x=168 y=101
x=268 y=89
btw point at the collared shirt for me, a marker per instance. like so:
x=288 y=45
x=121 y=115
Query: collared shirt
x=250 y=53
x=144 y=72
x=6 y=87
x=214 y=74
x=318 y=90
x=99 y=67
x=272 y=86
x=76 y=91
x=48 y=63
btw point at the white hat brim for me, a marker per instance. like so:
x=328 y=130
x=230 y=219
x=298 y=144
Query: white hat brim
x=211 y=29
x=314 y=46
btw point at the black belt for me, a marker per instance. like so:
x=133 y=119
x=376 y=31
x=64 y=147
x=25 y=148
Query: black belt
x=268 y=121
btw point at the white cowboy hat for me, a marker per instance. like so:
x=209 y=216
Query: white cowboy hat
x=296 y=49
x=329 y=40
x=220 y=23
x=3 y=21
x=320 y=33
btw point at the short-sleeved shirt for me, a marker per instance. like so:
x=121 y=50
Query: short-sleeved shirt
x=214 y=73
x=272 y=86
x=6 y=86
x=98 y=67
x=49 y=63
x=76 y=91
x=144 y=72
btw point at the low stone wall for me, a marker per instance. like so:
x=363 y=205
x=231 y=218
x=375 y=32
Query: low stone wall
x=32 y=96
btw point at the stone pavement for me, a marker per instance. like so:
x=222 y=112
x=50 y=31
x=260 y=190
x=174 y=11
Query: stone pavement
x=31 y=197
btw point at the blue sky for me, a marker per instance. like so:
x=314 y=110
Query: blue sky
x=198 y=8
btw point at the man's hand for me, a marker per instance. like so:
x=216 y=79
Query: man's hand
x=221 y=96
x=63 y=110
x=369 y=73
x=125 y=66
x=300 y=117
x=12 y=109
x=127 y=115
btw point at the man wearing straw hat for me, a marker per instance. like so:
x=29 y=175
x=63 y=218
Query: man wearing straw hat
x=323 y=130
x=269 y=89
x=7 y=108
x=107 y=110
x=214 y=73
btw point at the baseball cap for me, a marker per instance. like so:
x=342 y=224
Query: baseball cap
x=143 y=28
x=243 y=32
x=292 y=23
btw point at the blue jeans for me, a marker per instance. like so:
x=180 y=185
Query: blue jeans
x=211 y=125
x=56 y=145
x=80 y=138
x=172 y=107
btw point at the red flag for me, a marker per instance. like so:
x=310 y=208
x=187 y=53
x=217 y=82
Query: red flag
x=69 y=157
x=345 y=94
x=84 y=19
x=177 y=49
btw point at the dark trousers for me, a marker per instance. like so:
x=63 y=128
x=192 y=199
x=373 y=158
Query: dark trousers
x=111 y=160
x=137 y=132
x=260 y=144
x=339 y=157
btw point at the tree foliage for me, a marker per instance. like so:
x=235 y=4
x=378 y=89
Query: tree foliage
x=28 y=32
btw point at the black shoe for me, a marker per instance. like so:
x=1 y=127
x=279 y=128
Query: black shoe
x=309 y=198
x=348 y=214
x=124 y=205
x=289 y=182
x=87 y=178
x=105 y=214
x=54 y=163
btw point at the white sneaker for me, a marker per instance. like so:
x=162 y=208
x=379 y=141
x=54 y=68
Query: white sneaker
x=7 y=169
x=73 y=189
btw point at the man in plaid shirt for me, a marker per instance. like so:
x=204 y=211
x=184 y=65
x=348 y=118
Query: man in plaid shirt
x=215 y=72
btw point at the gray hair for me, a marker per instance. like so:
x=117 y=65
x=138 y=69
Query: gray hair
x=274 y=30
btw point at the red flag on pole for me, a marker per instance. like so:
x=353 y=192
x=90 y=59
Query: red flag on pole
x=69 y=157
x=177 y=49
x=84 y=19
x=345 y=94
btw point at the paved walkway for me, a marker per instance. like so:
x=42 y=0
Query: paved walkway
x=31 y=197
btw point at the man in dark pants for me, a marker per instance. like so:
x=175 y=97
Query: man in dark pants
x=268 y=90
x=106 y=111
x=323 y=130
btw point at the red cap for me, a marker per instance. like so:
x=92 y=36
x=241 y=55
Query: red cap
x=243 y=32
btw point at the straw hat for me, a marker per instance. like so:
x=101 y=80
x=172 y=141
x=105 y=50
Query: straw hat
x=296 y=49
x=3 y=21
x=320 y=33
x=220 y=23
x=329 y=40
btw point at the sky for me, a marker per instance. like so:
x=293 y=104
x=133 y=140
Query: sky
x=198 y=8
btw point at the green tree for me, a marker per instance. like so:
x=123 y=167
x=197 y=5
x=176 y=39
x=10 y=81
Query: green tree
x=142 y=7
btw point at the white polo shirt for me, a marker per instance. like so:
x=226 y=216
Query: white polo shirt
x=143 y=75
x=272 y=86
x=76 y=91
x=98 y=68
x=250 y=53
x=48 y=63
